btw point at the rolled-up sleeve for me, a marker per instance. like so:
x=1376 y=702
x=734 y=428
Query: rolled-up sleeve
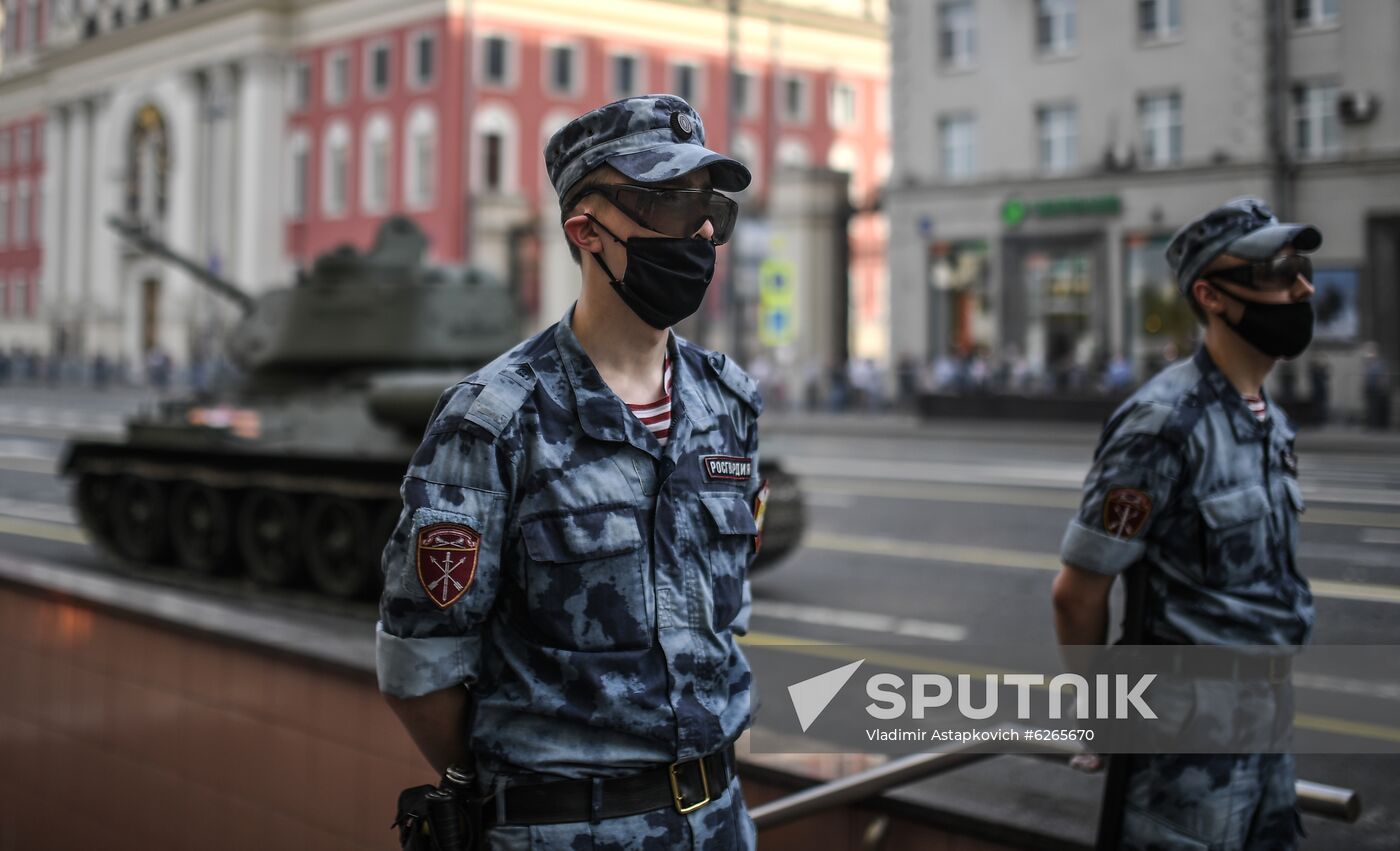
x=442 y=564
x=1130 y=486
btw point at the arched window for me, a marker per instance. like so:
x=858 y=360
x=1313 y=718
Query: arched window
x=747 y=151
x=147 y=165
x=792 y=153
x=420 y=153
x=494 y=150
x=299 y=174
x=335 y=170
x=374 y=164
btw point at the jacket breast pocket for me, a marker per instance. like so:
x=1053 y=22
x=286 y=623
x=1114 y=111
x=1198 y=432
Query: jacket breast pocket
x=584 y=580
x=1237 y=549
x=729 y=549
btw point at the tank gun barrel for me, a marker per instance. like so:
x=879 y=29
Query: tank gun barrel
x=144 y=241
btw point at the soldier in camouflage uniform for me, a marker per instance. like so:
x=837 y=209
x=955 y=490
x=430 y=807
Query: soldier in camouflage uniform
x=1195 y=484
x=581 y=571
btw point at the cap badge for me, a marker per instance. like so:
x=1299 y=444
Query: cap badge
x=682 y=125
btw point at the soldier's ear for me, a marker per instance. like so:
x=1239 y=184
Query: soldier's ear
x=581 y=232
x=1206 y=296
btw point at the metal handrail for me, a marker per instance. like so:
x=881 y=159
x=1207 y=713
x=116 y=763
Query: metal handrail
x=1332 y=802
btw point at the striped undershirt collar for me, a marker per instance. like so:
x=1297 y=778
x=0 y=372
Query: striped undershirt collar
x=656 y=416
x=1257 y=406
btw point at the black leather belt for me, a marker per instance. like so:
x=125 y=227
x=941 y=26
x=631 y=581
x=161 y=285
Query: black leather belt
x=686 y=786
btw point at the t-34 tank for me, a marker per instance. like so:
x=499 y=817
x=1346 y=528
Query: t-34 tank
x=287 y=469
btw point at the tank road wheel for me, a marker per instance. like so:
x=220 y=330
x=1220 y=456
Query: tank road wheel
x=784 y=519
x=93 y=499
x=201 y=528
x=334 y=544
x=139 y=518
x=267 y=537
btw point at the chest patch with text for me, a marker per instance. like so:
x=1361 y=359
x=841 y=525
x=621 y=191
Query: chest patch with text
x=726 y=468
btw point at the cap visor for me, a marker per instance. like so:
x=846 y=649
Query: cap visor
x=1270 y=240
x=670 y=161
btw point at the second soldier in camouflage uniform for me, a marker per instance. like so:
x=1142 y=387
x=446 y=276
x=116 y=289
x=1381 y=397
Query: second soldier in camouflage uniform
x=578 y=566
x=1195 y=480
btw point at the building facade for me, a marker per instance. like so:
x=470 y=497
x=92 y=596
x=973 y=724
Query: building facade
x=1045 y=151
x=253 y=135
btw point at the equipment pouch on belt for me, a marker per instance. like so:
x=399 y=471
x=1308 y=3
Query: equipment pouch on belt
x=440 y=818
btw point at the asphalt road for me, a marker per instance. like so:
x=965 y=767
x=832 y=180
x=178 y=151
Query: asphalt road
x=946 y=537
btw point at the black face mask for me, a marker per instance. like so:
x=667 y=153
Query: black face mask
x=666 y=276
x=1277 y=330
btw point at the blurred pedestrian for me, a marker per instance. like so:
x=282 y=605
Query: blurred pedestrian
x=1375 y=382
x=1320 y=380
x=1179 y=501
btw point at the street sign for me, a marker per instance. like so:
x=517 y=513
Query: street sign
x=776 y=297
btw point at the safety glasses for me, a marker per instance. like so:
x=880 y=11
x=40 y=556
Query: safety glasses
x=673 y=212
x=1276 y=275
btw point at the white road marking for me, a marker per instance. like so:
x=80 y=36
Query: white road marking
x=866 y=621
x=1381 y=536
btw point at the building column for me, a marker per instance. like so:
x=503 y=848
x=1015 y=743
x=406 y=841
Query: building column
x=51 y=279
x=76 y=246
x=260 y=230
x=106 y=182
x=218 y=126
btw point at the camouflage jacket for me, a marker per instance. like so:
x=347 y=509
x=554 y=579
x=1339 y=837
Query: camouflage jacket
x=1187 y=481
x=583 y=581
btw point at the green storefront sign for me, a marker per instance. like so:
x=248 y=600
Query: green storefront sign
x=1016 y=210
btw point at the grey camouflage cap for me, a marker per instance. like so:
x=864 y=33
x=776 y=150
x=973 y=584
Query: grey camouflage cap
x=649 y=138
x=1243 y=227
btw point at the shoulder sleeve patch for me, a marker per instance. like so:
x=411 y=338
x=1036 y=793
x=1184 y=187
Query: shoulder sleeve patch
x=740 y=383
x=495 y=406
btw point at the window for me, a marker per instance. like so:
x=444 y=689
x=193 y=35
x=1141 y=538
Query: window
x=4 y=149
x=1059 y=138
x=744 y=94
x=1160 y=119
x=9 y=33
x=420 y=158
x=374 y=165
x=22 y=151
x=422 y=60
x=794 y=103
x=298 y=85
x=4 y=215
x=843 y=104
x=1315 y=121
x=1055 y=27
x=31 y=25
x=685 y=81
x=377 y=68
x=496 y=60
x=626 y=75
x=335 y=170
x=22 y=214
x=957 y=34
x=1314 y=13
x=1159 y=19
x=337 y=69
x=299 y=170
x=561 y=71
x=957 y=147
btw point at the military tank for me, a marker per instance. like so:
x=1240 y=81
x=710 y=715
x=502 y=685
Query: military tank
x=286 y=470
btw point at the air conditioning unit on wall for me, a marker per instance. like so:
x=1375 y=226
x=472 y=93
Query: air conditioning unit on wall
x=1357 y=107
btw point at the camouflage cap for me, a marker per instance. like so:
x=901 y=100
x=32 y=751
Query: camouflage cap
x=1243 y=227
x=649 y=138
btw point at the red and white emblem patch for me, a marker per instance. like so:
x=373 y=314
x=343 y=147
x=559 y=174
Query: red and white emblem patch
x=760 y=508
x=1125 y=512
x=447 y=561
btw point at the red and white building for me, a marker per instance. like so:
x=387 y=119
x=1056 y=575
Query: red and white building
x=254 y=134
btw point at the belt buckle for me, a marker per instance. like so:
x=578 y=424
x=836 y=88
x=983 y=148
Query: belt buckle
x=677 y=799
